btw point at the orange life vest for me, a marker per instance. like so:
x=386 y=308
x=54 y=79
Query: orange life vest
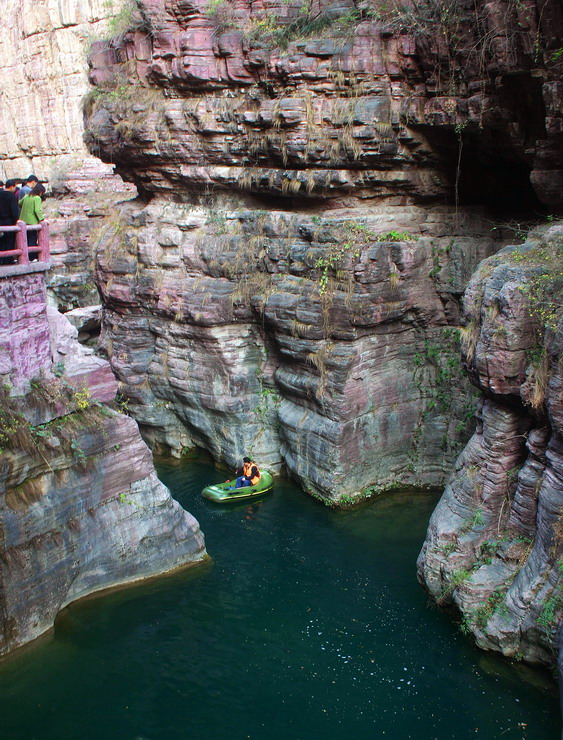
x=247 y=471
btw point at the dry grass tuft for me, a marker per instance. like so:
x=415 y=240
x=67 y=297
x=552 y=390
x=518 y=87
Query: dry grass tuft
x=469 y=336
x=318 y=360
x=535 y=387
x=23 y=496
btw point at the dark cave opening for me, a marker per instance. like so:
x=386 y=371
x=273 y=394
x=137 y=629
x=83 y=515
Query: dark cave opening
x=490 y=164
x=482 y=168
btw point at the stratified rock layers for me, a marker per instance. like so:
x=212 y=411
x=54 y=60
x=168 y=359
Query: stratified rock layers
x=85 y=514
x=81 y=508
x=319 y=342
x=43 y=68
x=495 y=542
x=88 y=199
x=241 y=325
x=399 y=106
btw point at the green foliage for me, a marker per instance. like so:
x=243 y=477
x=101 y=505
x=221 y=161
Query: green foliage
x=349 y=238
x=77 y=451
x=15 y=431
x=512 y=475
x=447 y=548
x=221 y=12
x=86 y=288
x=218 y=220
x=272 y=32
x=437 y=254
x=122 y=404
x=544 y=283
x=124 y=18
x=456 y=579
x=439 y=377
x=460 y=40
x=551 y=609
x=270 y=400
x=542 y=286
x=125 y=499
x=477 y=520
x=396 y=236
x=465 y=624
x=482 y=615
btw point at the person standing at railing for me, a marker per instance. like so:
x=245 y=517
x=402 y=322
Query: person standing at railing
x=32 y=211
x=9 y=214
x=27 y=187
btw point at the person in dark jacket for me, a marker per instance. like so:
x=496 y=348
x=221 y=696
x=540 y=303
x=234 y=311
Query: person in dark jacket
x=27 y=187
x=9 y=214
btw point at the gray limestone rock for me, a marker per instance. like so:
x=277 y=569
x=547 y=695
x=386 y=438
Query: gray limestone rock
x=494 y=546
x=323 y=344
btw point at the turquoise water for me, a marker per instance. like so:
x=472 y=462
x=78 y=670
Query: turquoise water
x=308 y=624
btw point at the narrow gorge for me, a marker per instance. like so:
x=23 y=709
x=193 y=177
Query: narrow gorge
x=326 y=235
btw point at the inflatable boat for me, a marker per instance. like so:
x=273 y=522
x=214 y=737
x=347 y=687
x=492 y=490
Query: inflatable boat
x=226 y=493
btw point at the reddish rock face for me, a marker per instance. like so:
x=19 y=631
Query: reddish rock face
x=24 y=330
x=78 y=489
x=86 y=204
x=361 y=102
x=257 y=291
x=322 y=343
x=92 y=517
x=495 y=546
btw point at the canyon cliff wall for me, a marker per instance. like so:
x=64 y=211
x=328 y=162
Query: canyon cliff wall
x=44 y=78
x=88 y=200
x=81 y=507
x=290 y=290
x=319 y=342
x=318 y=181
x=331 y=98
x=495 y=542
x=43 y=49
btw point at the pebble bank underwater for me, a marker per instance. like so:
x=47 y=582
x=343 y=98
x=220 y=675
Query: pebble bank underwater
x=309 y=623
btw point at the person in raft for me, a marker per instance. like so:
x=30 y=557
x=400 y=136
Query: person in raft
x=250 y=474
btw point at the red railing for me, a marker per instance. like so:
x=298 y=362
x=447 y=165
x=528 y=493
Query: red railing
x=22 y=251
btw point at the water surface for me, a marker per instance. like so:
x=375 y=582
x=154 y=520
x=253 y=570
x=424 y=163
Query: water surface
x=308 y=624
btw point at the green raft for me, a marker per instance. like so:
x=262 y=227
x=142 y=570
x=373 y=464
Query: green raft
x=221 y=495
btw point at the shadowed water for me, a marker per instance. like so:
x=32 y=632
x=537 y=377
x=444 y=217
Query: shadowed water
x=308 y=624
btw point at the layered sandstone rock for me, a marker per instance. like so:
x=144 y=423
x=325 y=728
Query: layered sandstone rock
x=43 y=68
x=322 y=343
x=81 y=513
x=290 y=289
x=81 y=508
x=87 y=203
x=495 y=542
x=355 y=102
x=43 y=48
x=43 y=72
